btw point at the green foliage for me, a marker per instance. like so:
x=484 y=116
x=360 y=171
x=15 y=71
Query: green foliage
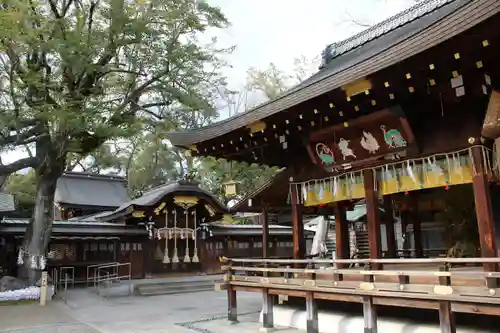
x=274 y=81
x=213 y=173
x=76 y=74
x=23 y=188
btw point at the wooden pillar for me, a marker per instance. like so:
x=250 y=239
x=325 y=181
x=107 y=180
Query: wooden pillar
x=297 y=224
x=148 y=257
x=267 y=311
x=446 y=317
x=417 y=224
x=116 y=243
x=265 y=232
x=389 y=227
x=232 y=312
x=484 y=213
x=372 y=215
x=369 y=315
x=311 y=313
x=341 y=233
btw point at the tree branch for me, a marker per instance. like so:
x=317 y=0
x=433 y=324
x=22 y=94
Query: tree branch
x=23 y=138
x=23 y=163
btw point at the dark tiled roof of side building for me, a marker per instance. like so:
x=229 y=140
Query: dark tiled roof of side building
x=84 y=189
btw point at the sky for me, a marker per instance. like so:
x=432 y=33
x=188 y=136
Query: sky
x=279 y=31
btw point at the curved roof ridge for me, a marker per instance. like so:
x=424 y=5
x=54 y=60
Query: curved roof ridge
x=383 y=27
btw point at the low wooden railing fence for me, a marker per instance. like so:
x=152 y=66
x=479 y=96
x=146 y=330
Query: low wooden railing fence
x=441 y=281
x=417 y=282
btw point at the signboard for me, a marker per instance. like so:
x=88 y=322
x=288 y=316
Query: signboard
x=384 y=134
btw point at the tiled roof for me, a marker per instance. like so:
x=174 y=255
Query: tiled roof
x=83 y=189
x=427 y=28
x=418 y=10
x=153 y=196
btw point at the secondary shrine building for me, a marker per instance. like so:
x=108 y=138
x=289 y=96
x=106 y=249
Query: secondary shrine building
x=403 y=115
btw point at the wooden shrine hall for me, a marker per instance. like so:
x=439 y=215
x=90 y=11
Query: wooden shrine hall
x=406 y=108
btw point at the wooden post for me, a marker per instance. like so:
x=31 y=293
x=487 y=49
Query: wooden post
x=484 y=213
x=341 y=233
x=446 y=317
x=43 y=288
x=389 y=227
x=297 y=224
x=369 y=315
x=232 y=312
x=267 y=312
x=417 y=225
x=148 y=257
x=311 y=313
x=265 y=232
x=372 y=215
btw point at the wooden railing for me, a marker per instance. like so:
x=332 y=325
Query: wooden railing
x=413 y=281
x=438 y=281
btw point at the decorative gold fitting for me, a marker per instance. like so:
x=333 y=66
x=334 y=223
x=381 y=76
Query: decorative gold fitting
x=310 y=283
x=366 y=286
x=264 y=280
x=492 y=292
x=401 y=287
x=443 y=290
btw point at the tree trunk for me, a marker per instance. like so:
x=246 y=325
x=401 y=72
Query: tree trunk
x=37 y=235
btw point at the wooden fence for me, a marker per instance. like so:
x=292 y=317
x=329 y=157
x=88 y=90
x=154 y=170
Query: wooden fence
x=446 y=284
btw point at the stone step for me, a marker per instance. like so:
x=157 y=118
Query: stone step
x=177 y=287
x=167 y=291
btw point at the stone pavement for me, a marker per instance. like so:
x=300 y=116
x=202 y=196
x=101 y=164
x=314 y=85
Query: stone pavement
x=82 y=311
x=37 y=319
x=247 y=324
x=179 y=313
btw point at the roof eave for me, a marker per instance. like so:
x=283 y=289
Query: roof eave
x=449 y=26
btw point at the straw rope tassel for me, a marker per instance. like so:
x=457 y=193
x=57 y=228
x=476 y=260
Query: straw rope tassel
x=166 y=258
x=175 y=258
x=195 y=231
x=187 y=258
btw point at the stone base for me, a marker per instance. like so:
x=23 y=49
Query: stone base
x=267 y=320
x=312 y=326
x=338 y=322
x=266 y=329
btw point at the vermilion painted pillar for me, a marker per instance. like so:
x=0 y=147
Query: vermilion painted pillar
x=297 y=224
x=372 y=216
x=484 y=213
